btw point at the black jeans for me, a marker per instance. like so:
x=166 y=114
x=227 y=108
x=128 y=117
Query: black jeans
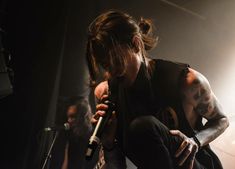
x=151 y=146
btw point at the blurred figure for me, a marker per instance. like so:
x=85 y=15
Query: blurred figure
x=79 y=119
x=73 y=144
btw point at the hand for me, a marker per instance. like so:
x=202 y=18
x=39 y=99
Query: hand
x=187 y=149
x=109 y=133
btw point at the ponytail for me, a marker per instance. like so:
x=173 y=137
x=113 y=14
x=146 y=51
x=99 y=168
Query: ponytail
x=148 y=37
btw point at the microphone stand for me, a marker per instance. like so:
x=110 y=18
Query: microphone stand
x=49 y=151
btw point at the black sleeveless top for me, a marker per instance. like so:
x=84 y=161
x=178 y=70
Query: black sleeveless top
x=151 y=94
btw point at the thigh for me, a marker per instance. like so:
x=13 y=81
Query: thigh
x=150 y=143
x=150 y=128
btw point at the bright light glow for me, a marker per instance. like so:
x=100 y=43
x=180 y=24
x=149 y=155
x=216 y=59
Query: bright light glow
x=233 y=142
x=225 y=88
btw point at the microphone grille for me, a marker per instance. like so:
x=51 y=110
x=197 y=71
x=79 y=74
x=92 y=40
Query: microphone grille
x=66 y=126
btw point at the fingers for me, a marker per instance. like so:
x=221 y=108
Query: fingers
x=103 y=98
x=102 y=106
x=192 y=157
x=101 y=111
x=186 y=154
x=177 y=133
x=96 y=116
x=93 y=121
x=187 y=149
x=182 y=147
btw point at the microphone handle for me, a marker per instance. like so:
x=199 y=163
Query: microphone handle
x=100 y=126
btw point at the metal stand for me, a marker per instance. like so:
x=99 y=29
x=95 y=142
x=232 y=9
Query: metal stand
x=49 y=151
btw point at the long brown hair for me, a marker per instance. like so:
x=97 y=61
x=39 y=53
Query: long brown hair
x=110 y=41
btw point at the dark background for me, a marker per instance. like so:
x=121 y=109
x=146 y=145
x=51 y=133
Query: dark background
x=47 y=39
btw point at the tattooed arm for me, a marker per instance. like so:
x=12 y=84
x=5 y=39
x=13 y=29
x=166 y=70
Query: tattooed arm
x=199 y=100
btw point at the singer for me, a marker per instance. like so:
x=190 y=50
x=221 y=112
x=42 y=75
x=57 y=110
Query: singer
x=159 y=104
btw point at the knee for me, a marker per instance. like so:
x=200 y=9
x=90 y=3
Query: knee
x=144 y=125
x=145 y=137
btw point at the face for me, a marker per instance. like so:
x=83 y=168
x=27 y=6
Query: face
x=132 y=65
x=71 y=114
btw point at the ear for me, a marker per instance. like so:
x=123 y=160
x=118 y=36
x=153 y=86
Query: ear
x=136 y=42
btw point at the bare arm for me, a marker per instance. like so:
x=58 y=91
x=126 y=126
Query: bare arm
x=200 y=100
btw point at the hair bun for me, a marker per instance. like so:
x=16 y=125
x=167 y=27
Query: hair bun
x=145 y=26
x=148 y=37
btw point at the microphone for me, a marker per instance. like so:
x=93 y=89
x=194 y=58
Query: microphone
x=65 y=127
x=95 y=137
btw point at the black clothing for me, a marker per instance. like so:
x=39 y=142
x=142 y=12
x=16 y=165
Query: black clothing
x=76 y=152
x=141 y=110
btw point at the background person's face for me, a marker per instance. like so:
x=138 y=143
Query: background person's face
x=71 y=115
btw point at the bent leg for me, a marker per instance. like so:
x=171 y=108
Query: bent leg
x=150 y=145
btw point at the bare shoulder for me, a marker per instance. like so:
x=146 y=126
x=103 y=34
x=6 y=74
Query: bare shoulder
x=195 y=80
x=197 y=92
x=101 y=89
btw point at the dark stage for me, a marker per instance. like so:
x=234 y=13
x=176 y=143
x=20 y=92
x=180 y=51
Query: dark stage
x=44 y=45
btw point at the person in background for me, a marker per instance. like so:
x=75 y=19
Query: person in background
x=70 y=149
x=79 y=116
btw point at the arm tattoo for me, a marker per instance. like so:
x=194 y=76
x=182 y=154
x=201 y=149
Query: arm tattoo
x=199 y=94
x=202 y=108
